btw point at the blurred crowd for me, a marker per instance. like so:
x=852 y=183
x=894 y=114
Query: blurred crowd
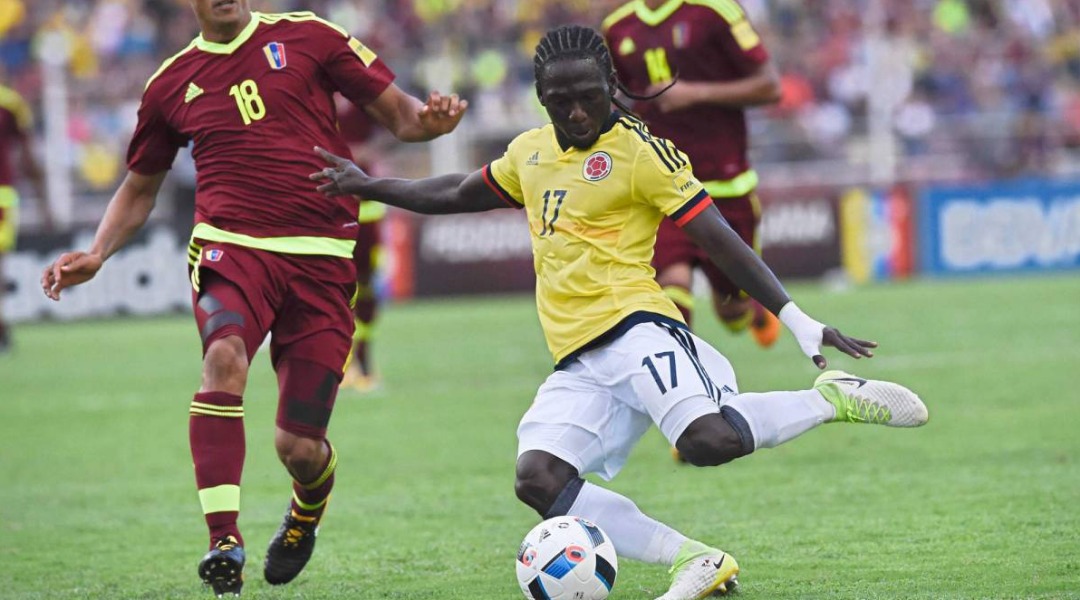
x=994 y=82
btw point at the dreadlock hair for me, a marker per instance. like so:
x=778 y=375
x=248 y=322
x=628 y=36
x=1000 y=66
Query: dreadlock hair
x=573 y=42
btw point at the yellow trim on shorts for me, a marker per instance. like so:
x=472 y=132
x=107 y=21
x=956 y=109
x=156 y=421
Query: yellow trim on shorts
x=302 y=244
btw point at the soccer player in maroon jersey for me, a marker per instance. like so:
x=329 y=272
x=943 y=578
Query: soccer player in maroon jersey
x=15 y=122
x=364 y=140
x=268 y=254
x=719 y=66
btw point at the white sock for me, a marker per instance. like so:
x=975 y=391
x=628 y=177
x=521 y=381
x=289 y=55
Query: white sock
x=633 y=533
x=776 y=417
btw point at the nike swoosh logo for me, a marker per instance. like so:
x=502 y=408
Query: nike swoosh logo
x=721 y=562
x=861 y=382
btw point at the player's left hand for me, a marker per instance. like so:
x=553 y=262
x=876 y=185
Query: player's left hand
x=854 y=347
x=341 y=178
x=811 y=335
x=441 y=114
x=681 y=95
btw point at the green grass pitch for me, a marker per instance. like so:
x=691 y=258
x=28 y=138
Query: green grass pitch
x=97 y=496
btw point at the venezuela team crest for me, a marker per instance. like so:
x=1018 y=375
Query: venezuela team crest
x=597 y=166
x=275 y=55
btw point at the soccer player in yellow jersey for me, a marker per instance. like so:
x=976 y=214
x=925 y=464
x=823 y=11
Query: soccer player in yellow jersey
x=595 y=186
x=16 y=122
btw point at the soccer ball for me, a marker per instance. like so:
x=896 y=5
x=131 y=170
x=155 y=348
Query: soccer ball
x=566 y=558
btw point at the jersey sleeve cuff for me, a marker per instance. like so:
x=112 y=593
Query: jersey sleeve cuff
x=692 y=208
x=489 y=179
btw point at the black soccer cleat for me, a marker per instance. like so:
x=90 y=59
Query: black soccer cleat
x=290 y=549
x=223 y=567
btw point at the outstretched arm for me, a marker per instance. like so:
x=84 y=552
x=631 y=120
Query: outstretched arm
x=412 y=120
x=127 y=211
x=445 y=194
x=728 y=251
x=758 y=88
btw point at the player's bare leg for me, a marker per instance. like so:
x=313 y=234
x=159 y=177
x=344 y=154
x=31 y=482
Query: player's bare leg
x=553 y=488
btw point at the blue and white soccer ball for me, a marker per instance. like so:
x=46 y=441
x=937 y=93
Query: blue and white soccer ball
x=566 y=558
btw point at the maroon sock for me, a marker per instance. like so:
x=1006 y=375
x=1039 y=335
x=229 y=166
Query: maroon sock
x=309 y=499
x=364 y=312
x=216 y=433
x=360 y=356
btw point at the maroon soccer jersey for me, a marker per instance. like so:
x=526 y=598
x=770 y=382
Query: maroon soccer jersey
x=255 y=108
x=696 y=40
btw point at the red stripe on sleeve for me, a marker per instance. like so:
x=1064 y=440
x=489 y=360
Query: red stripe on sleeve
x=705 y=202
x=495 y=187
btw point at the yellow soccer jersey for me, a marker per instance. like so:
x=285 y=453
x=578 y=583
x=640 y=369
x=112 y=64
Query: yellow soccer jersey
x=593 y=216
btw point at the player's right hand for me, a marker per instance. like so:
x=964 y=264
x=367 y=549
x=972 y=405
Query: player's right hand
x=72 y=268
x=441 y=114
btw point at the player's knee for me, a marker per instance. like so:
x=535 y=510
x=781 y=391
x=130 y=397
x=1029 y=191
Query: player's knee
x=540 y=478
x=225 y=365
x=710 y=441
x=303 y=457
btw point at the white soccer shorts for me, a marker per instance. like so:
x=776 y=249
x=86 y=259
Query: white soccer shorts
x=593 y=413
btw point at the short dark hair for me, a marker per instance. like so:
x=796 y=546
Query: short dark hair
x=574 y=42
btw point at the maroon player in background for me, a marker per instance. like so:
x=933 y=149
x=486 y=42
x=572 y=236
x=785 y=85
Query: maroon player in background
x=366 y=144
x=15 y=123
x=268 y=253
x=719 y=66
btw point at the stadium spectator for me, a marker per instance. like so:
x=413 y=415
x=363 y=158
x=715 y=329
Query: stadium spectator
x=710 y=64
x=267 y=254
x=15 y=125
x=595 y=185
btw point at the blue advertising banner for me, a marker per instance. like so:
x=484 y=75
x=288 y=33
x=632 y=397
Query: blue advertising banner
x=1000 y=227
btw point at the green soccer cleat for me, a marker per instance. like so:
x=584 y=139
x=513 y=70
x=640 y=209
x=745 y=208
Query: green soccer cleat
x=701 y=572
x=290 y=549
x=859 y=400
x=223 y=567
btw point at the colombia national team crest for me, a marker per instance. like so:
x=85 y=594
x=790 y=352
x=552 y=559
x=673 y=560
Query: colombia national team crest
x=597 y=166
x=275 y=55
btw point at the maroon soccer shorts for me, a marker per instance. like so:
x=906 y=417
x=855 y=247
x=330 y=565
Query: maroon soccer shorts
x=302 y=301
x=673 y=246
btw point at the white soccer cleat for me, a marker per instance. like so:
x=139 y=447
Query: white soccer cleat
x=859 y=400
x=701 y=572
